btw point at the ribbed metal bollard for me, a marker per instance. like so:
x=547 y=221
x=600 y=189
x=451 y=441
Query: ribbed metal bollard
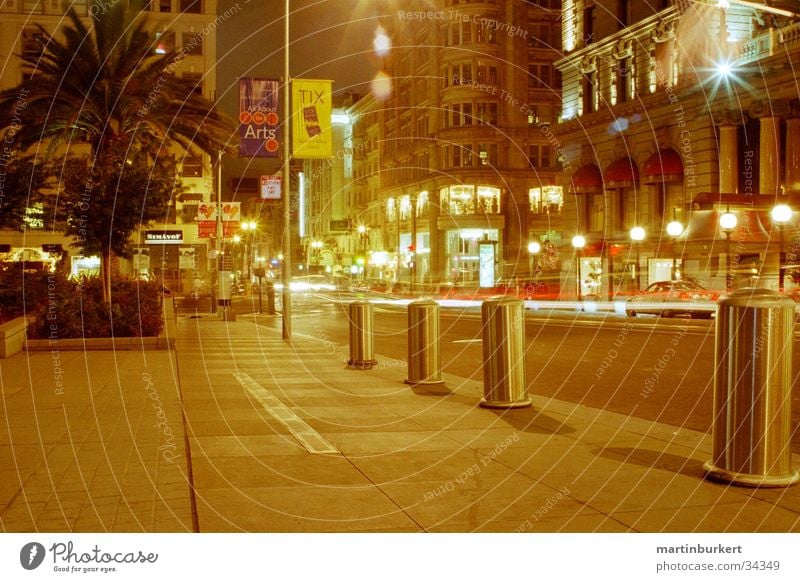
x=424 y=359
x=270 y=298
x=504 y=381
x=752 y=390
x=360 y=314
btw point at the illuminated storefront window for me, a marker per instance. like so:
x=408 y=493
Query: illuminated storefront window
x=422 y=204
x=391 y=210
x=405 y=207
x=546 y=200
x=469 y=199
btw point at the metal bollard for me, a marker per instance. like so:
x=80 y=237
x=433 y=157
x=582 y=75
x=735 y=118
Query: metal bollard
x=752 y=390
x=424 y=360
x=504 y=382
x=360 y=314
x=270 y=298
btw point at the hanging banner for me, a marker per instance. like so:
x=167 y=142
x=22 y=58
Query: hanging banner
x=258 y=118
x=311 y=119
x=206 y=219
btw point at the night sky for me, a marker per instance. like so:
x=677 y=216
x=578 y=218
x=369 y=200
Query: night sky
x=331 y=39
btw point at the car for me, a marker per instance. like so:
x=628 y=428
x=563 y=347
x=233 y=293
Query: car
x=668 y=298
x=308 y=283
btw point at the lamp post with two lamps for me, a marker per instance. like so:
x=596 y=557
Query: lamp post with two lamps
x=637 y=236
x=674 y=230
x=781 y=215
x=728 y=222
x=534 y=248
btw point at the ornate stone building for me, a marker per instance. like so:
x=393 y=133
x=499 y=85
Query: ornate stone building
x=679 y=111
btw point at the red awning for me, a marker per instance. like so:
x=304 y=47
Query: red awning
x=622 y=173
x=587 y=179
x=664 y=166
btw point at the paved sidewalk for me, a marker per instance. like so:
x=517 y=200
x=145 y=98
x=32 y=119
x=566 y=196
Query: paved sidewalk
x=92 y=442
x=239 y=430
x=416 y=459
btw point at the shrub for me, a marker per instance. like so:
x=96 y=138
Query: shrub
x=75 y=308
x=20 y=292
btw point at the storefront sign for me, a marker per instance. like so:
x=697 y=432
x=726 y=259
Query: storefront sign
x=271 y=187
x=163 y=237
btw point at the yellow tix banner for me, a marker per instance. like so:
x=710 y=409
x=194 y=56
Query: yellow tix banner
x=311 y=118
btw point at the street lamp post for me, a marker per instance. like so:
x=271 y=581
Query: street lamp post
x=249 y=228
x=534 y=248
x=286 y=294
x=578 y=242
x=728 y=222
x=674 y=230
x=637 y=236
x=781 y=214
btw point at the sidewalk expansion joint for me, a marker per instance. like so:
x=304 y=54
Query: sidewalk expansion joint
x=311 y=440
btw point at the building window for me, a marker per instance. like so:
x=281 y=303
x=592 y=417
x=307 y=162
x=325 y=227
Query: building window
x=487 y=113
x=486 y=74
x=460 y=74
x=540 y=35
x=165 y=42
x=422 y=204
x=489 y=200
x=405 y=207
x=623 y=13
x=192 y=6
x=32 y=40
x=546 y=200
x=192 y=167
x=540 y=156
x=624 y=82
x=590 y=93
x=192 y=43
x=588 y=23
x=540 y=75
x=165 y=6
x=391 y=210
x=485 y=33
x=487 y=154
x=194 y=82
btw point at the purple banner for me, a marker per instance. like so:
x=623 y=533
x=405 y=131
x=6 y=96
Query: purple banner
x=258 y=118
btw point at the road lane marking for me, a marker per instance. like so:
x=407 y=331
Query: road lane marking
x=311 y=440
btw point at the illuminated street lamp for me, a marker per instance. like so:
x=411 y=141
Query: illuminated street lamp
x=578 y=242
x=674 y=230
x=534 y=248
x=728 y=222
x=637 y=236
x=781 y=215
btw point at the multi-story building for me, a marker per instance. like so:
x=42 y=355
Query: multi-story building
x=186 y=25
x=466 y=152
x=679 y=112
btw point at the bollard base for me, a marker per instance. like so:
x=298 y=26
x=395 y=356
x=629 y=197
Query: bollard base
x=502 y=404
x=227 y=314
x=747 y=480
x=362 y=364
x=427 y=382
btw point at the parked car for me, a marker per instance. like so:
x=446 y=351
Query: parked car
x=668 y=298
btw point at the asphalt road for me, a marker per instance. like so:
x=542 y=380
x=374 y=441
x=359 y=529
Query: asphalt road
x=648 y=367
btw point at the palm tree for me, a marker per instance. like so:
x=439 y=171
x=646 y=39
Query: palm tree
x=104 y=85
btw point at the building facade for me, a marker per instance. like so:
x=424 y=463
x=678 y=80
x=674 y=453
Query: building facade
x=679 y=112
x=179 y=257
x=459 y=151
